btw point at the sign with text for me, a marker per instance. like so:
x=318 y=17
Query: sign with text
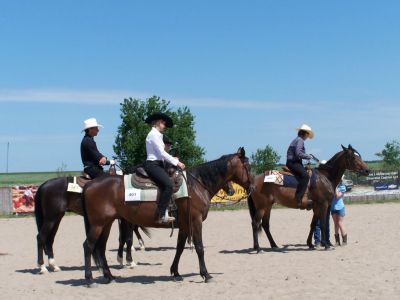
x=384 y=180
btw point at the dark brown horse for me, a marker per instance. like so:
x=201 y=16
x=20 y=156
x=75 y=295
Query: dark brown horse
x=104 y=202
x=327 y=178
x=52 y=201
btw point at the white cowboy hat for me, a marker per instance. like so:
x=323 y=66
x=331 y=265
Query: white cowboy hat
x=306 y=128
x=89 y=123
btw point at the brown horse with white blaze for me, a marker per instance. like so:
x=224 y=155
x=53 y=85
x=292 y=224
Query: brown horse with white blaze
x=104 y=202
x=321 y=192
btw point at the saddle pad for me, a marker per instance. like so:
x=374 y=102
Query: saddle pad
x=285 y=180
x=291 y=181
x=134 y=194
x=273 y=176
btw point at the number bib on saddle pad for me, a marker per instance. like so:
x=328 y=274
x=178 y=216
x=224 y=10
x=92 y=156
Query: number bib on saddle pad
x=285 y=180
x=150 y=192
x=76 y=183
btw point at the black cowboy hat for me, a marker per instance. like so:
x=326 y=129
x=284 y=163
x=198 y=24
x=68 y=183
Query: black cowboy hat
x=166 y=140
x=160 y=116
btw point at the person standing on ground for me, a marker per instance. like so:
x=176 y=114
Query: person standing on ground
x=338 y=213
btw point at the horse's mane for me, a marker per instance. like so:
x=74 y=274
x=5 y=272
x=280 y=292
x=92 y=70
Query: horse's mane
x=210 y=172
x=329 y=164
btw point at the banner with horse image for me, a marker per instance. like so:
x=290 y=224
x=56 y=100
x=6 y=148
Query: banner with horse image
x=23 y=198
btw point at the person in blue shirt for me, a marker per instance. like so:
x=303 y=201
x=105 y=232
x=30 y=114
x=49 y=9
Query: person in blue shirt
x=295 y=155
x=338 y=213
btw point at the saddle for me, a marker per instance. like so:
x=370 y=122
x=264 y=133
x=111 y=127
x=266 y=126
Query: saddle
x=141 y=180
x=286 y=170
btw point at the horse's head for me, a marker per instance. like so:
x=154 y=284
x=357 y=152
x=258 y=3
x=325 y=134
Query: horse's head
x=353 y=161
x=239 y=169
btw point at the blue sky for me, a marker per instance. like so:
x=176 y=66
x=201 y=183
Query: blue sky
x=250 y=71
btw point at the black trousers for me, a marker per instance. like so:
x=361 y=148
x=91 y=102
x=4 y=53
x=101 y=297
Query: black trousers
x=156 y=171
x=94 y=171
x=301 y=175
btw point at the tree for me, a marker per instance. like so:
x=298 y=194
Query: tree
x=130 y=146
x=391 y=155
x=264 y=159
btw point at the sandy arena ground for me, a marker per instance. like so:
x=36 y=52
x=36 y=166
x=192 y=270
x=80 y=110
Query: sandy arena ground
x=368 y=268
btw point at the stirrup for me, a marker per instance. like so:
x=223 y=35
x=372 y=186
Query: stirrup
x=165 y=218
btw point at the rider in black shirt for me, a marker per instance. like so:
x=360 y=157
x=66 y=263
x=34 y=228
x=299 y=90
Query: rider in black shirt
x=92 y=159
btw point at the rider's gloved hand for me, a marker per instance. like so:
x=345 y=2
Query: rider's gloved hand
x=181 y=166
x=102 y=161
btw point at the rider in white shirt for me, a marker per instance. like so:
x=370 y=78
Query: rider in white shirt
x=156 y=155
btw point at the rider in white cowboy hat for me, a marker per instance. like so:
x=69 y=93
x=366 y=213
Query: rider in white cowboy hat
x=295 y=154
x=154 y=166
x=92 y=159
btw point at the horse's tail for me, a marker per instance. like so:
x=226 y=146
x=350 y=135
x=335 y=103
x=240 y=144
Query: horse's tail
x=252 y=211
x=146 y=231
x=38 y=208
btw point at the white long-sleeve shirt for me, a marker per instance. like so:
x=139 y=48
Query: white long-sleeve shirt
x=155 y=148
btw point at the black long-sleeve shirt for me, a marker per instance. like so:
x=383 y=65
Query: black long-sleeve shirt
x=89 y=153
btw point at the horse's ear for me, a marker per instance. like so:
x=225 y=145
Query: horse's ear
x=344 y=148
x=350 y=147
x=241 y=152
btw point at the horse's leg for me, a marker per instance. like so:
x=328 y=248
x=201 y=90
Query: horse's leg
x=122 y=239
x=256 y=223
x=40 y=249
x=101 y=245
x=42 y=240
x=129 y=242
x=312 y=228
x=180 y=246
x=88 y=249
x=49 y=245
x=198 y=245
x=139 y=237
x=322 y=219
x=265 y=225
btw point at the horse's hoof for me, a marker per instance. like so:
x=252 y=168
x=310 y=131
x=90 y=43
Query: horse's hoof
x=92 y=285
x=209 y=279
x=56 y=268
x=260 y=251
x=177 y=278
x=142 y=248
x=43 y=270
x=131 y=265
x=120 y=260
x=110 y=280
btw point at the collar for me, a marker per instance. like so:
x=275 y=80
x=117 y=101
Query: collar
x=155 y=130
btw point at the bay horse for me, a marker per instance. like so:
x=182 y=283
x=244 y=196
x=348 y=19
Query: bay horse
x=103 y=200
x=52 y=201
x=322 y=192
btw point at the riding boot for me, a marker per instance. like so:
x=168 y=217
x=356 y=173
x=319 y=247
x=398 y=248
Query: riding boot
x=344 y=238
x=299 y=202
x=164 y=218
x=337 y=240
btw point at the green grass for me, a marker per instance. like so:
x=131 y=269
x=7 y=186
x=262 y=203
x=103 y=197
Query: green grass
x=8 y=179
